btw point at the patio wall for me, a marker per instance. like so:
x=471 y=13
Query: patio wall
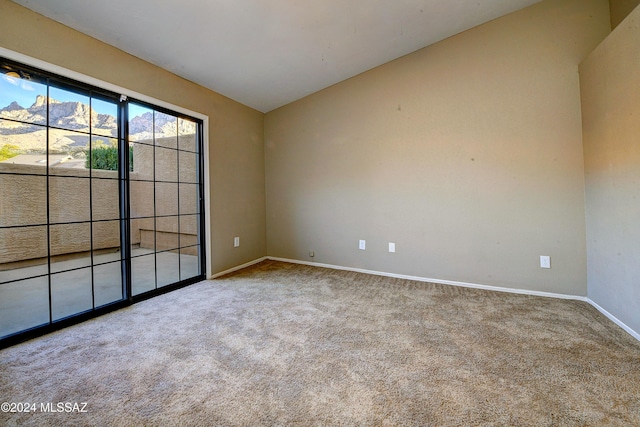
x=23 y=199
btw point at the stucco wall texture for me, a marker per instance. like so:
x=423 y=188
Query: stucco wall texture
x=77 y=198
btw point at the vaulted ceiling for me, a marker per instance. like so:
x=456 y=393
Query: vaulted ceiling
x=266 y=54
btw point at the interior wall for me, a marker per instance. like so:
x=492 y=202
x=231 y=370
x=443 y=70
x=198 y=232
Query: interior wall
x=466 y=154
x=610 y=84
x=236 y=151
x=620 y=9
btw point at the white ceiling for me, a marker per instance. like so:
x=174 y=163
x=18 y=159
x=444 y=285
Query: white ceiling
x=267 y=53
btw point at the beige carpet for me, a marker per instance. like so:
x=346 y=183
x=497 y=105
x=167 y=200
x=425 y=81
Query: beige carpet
x=283 y=344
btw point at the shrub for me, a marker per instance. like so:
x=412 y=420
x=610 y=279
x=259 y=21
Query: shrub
x=8 y=151
x=106 y=158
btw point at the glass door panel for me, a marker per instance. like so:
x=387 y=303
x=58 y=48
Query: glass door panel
x=164 y=157
x=24 y=304
x=71 y=293
x=107 y=282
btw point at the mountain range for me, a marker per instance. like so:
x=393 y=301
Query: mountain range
x=26 y=130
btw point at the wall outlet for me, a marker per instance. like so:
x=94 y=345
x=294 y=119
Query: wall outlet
x=392 y=247
x=236 y=242
x=362 y=245
x=545 y=261
x=312 y=254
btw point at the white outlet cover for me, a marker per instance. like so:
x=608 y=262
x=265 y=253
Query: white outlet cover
x=236 y=242
x=362 y=245
x=545 y=261
x=392 y=247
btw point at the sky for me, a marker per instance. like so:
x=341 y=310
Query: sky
x=21 y=91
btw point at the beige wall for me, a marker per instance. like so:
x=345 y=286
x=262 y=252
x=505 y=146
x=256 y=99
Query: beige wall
x=236 y=152
x=467 y=154
x=620 y=9
x=610 y=82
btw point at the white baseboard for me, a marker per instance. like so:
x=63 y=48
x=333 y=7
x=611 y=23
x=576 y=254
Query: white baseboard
x=439 y=281
x=610 y=316
x=239 y=267
x=615 y=320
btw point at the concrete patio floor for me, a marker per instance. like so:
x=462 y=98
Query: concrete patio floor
x=25 y=303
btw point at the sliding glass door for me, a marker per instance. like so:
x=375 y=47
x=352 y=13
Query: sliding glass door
x=165 y=195
x=100 y=200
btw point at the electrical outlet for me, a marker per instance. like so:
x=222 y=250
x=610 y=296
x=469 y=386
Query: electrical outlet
x=236 y=242
x=392 y=247
x=312 y=254
x=362 y=245
x=545 y=261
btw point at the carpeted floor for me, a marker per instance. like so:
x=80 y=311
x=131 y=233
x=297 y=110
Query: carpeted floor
x=284 y=344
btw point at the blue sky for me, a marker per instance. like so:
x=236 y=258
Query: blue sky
x=21 y=91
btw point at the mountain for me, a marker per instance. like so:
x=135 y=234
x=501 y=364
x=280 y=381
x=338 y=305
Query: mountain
x=140 y=127
x=67 y=115
x=75 y=116
x=14 y=106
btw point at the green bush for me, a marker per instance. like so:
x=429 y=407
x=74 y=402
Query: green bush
x=106 y=158
x=8 y=151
